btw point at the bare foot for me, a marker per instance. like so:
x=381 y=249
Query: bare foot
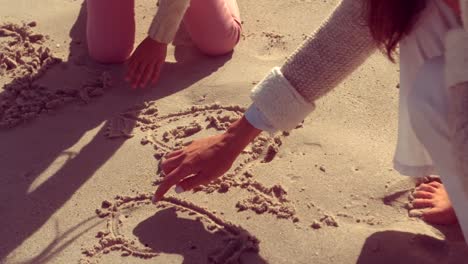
x=434 y=201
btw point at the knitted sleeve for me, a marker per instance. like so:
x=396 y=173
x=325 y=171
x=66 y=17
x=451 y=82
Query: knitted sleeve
x=343 y=42
x=167 y=20
x=341 y=45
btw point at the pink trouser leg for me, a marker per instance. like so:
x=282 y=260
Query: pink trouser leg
x=213 y=25
x=110 y=30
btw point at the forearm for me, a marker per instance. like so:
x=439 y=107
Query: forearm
x=240 y=134
x=167 y=20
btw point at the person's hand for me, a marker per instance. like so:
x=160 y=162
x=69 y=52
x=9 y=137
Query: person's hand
x=205 y=159
x=146 y=62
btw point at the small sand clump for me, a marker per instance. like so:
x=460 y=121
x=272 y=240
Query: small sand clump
x=182 y=132
x=261 y=204
x=316 y=225
x=329 y=220
x=22 y=51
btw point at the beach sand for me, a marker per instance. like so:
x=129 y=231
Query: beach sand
x=80 y=153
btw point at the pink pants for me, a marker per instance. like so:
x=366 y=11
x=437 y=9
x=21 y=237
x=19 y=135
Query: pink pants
x=213 y=25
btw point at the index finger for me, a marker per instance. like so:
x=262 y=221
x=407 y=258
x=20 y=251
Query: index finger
x=170 y=180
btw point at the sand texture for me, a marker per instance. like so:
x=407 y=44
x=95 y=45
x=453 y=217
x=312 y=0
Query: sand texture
x=81 y=152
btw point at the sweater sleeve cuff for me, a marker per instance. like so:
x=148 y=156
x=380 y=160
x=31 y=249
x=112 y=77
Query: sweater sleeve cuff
x=258 y=120
x=167 y=20
x=279 y=102
x=456 y=56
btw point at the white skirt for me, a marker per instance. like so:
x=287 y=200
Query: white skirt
x=429 y=103
x=424 y=43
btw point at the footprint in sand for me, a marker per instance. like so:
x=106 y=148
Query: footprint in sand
x=269 y=46
x=172 y=131
x=135 y=227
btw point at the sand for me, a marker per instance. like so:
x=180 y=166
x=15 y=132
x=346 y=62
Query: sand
x=81 y=153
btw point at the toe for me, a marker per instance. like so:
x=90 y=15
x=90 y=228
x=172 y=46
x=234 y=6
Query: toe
x=426 y=188
x=423 y=195
x=435 y=184
x=422 y=203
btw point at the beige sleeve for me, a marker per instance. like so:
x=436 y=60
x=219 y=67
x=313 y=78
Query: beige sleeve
x=343 y=42
x=167 y=20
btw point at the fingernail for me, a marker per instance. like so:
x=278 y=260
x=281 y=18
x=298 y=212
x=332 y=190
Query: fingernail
x=154 y=200
x=179 y=189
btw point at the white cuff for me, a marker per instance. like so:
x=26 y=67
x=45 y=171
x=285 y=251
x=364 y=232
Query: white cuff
x=167 y=20
x=279 y=101
x=456 y=57
x=257 y=119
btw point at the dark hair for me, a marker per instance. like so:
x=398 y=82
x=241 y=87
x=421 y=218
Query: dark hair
x=391 y=20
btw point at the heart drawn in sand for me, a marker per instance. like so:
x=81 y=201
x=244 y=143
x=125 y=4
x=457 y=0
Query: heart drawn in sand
x=135 y=228
x=172 y=131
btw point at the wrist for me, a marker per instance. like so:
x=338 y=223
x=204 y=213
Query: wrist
x=240 y=134
x=156 y=42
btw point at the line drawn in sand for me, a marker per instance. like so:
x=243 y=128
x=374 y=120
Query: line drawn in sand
x=148 y=242
x=175 y=130
x=25 y=57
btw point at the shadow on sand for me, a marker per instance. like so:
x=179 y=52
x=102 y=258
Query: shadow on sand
x=29 y=149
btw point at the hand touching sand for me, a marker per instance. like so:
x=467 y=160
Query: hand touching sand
x=146 y=62
x=205 y=159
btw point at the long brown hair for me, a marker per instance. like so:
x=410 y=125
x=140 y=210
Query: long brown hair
x=391 y=20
